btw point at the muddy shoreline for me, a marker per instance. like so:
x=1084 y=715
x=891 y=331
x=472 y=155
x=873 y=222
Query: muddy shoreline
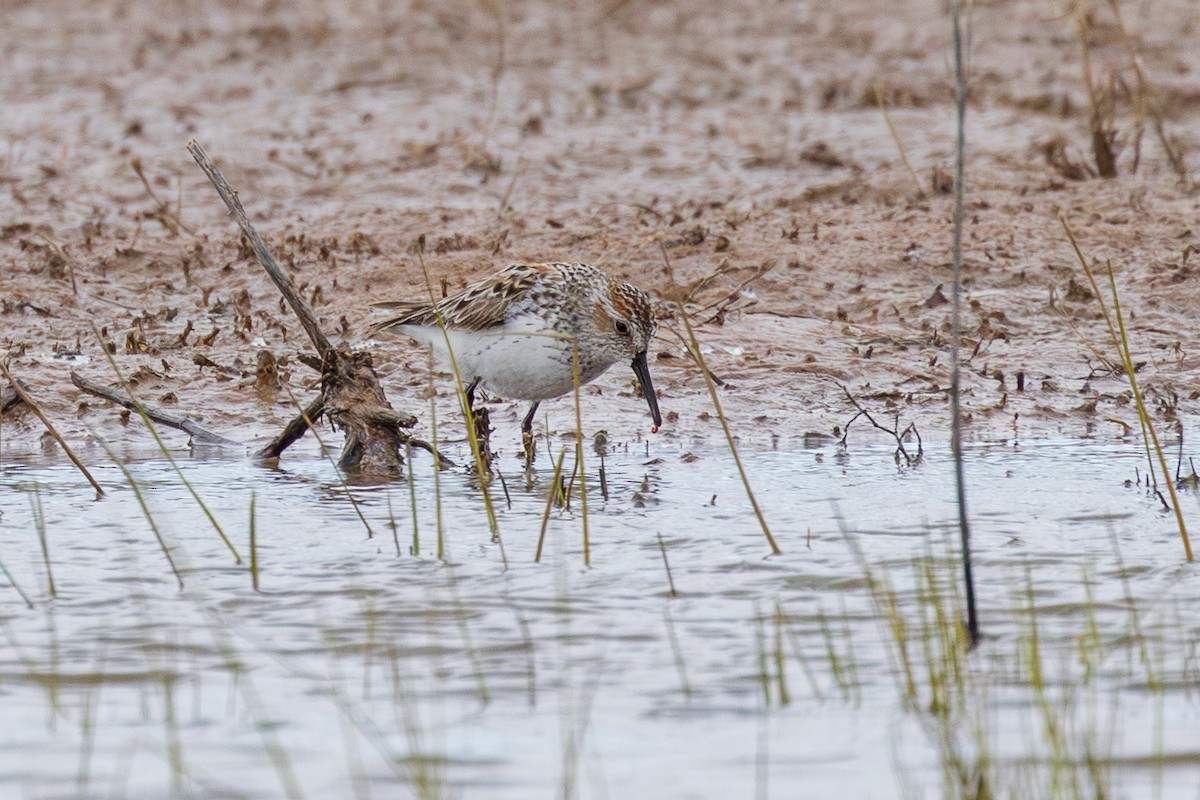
x=735 y=138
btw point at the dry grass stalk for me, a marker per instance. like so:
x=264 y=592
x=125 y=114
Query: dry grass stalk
x=1120 y=339
x=887 y=118
x=693 y=347
x=1150 y=102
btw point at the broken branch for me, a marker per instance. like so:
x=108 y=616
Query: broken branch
x=294 y=430
x=282 y=282
x=894 y=431
x=180 y=422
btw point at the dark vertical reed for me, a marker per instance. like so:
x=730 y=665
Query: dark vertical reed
x=955 y=405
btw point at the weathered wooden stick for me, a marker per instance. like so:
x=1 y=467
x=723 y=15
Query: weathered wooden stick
x=282 y=282
x=294 y=430
x=16 y=385
x=181 y=422
x=352 y=397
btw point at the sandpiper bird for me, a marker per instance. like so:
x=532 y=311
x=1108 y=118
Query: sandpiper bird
x=513 y=333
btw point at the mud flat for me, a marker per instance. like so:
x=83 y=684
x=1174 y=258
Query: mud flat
x=738 y=137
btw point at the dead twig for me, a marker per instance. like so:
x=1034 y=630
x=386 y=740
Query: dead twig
x=20 y=390
x=180 y=422
x=309 y=415
x=169 y=219
x=734 y=300
x=421 y=444
x=894 y=431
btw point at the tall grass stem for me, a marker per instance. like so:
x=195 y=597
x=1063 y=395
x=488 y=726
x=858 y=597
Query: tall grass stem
x=693 y=345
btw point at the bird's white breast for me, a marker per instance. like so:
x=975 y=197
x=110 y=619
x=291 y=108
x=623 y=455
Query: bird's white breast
x=520 y=360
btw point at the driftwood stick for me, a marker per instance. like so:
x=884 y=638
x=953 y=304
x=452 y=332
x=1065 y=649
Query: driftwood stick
x=353 y=399
x=294 y=430
x=172 y=420
x=282 y=282
x=16 y=385
x=300 y=424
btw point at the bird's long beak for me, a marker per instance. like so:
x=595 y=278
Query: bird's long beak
x=642 y=371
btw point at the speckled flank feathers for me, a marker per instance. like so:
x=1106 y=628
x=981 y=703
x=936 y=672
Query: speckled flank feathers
x=516 y=332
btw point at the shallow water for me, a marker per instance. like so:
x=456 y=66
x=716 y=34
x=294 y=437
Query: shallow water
x=362 y=668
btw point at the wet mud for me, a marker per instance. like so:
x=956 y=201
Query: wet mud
x=748 y=140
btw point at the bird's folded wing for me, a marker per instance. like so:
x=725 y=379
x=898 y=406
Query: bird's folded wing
x=483 y=305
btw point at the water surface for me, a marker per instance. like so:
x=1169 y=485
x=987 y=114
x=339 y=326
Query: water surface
x=366 y=666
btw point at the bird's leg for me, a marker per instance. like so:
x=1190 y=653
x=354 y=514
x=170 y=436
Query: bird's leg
x=527 y=435
x=482 y=424
x=471 y=387
x=527 y=425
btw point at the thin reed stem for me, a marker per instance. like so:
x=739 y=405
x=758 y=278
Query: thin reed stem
x=141 y=500
x=39 y=519
x=1114 y=336
x=20 y=390
x=1120 y=338
x=253 y=544
x=583 y=497
x=1126 y=354
x=887 y=118
x=437 y=473
x=554 y=490
x=693 y=346
x=13 y=582
x=392 y=515
x=677 y=654
x=412 y=504
x=461 y=390
x=460 y=613
x=662 y=548
x=325 y=452
x=112 y=362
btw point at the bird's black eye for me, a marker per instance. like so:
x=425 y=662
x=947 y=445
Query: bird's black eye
x=622 y=327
